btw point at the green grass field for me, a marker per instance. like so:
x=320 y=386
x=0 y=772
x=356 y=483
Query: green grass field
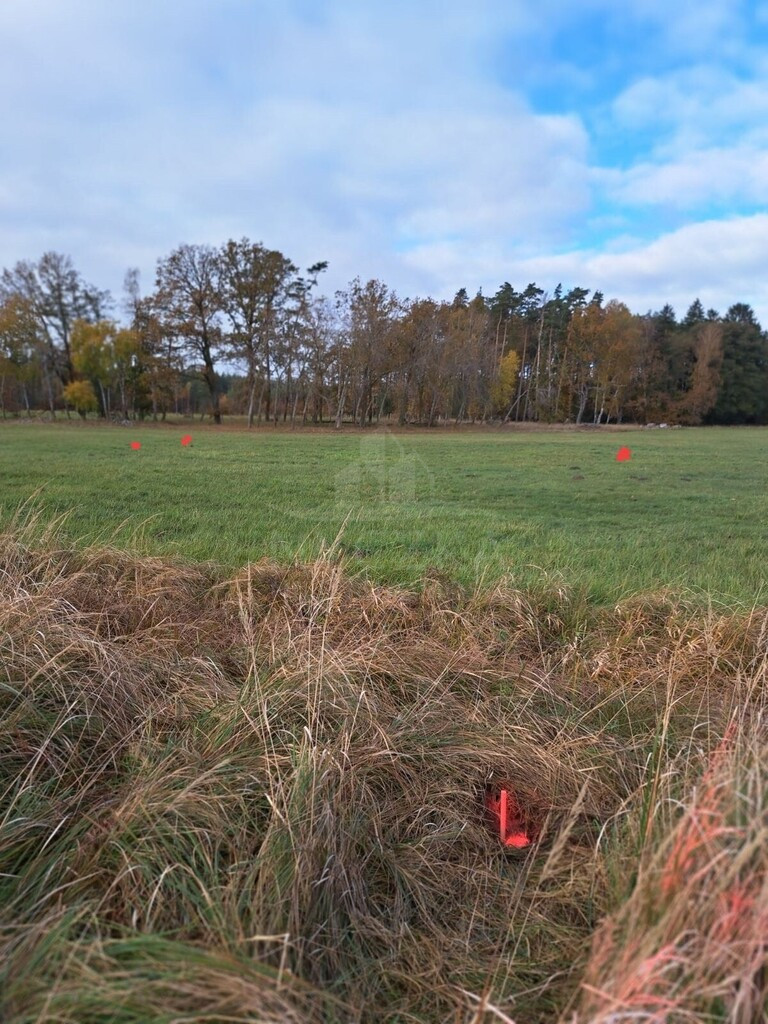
x=687 y=512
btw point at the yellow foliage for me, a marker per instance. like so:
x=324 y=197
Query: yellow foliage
x=92 y=348
x=503 y=388
x=80 y=395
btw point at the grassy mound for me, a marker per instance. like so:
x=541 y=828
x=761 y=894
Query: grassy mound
x=261 y=799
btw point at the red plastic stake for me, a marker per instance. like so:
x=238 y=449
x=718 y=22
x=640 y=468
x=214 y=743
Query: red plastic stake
x=511 y=827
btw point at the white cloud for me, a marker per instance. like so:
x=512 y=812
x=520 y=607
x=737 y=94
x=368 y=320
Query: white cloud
x=705 y=140
x=720 y=261
x=693 y=26
x=347 y=136
x=702 y=102
x=722 y=176
x=369 y=134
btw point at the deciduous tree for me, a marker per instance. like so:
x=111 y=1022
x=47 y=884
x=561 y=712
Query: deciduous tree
x=81 y=396
x=255 y=287
x=190 y=300
x=56 y=297
x=504 y=387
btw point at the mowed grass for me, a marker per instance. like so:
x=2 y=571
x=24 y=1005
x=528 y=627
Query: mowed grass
x=688 y=512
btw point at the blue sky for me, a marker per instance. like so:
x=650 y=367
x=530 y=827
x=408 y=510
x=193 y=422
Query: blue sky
x=434 y=145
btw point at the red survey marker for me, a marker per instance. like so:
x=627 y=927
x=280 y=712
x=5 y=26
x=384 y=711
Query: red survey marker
x=186 y=440
x=135 y=445
x=508 y=817
x=623 y=455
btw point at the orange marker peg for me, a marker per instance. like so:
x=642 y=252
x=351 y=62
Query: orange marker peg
x=511 y=829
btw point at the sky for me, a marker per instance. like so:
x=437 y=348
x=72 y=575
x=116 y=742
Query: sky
x=433 y=145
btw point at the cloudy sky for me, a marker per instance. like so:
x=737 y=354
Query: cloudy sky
x=433 y=144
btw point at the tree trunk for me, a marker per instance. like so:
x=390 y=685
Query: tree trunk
x=104 y=406
x=251 y=403
x=420 y=402
x=537 y=373
x=267 y=385
x=261 y=399
x=528 y=381
x=598 y=417
x=583 y=396
x=561 y=380
x=293 y=410
x=340 y=406
x=209 y=376
x=49 y=387
x=402 y=415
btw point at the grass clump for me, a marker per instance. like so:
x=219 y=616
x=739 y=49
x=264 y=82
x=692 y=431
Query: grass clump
x=261 y=798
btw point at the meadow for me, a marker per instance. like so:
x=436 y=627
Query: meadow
x=687 y=512
x=244 y=779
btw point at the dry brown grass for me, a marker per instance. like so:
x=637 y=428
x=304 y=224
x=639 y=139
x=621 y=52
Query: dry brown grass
x=261 y=799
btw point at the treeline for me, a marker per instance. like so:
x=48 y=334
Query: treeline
x=241 y=329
